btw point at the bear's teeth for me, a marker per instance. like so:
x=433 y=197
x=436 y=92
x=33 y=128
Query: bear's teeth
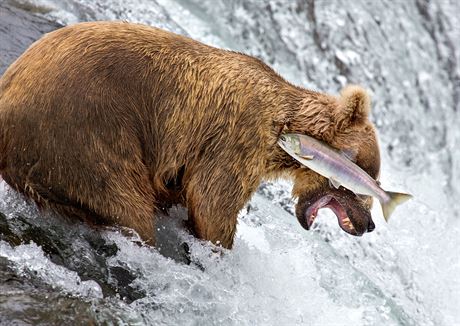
x=346 y=221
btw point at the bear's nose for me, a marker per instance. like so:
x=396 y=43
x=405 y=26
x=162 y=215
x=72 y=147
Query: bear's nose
x=370 y=226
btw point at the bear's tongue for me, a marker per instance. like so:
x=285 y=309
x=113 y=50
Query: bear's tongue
x=329 y=201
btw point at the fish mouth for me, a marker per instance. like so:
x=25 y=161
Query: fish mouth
x=352 y=216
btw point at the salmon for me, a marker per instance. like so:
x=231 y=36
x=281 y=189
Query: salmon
x=339 y=169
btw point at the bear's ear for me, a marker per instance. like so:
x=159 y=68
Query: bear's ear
x=354 y=106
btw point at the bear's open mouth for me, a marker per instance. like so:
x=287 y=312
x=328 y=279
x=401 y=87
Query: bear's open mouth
x=329 y=201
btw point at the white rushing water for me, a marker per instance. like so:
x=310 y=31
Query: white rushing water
x=406 y=272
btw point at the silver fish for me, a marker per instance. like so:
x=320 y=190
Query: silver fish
x=341 y=171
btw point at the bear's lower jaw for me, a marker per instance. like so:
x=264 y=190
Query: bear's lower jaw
x=346 y=224
x=342 y=217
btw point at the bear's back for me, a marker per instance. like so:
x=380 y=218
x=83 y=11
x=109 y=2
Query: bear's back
x=131 y=89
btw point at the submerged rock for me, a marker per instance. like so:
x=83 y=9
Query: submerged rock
x=28 y=301
x=74 y=246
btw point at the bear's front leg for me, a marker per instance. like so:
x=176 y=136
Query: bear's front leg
x=214 y=199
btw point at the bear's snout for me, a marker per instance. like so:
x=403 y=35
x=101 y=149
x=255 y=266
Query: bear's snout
x=352 y=214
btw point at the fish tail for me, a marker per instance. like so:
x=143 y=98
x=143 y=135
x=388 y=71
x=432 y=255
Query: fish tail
x=396 y=198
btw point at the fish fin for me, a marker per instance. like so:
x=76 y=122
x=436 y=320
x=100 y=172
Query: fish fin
x=349 y=153
x=306 y=157
x=334 y=182
x=396 y=198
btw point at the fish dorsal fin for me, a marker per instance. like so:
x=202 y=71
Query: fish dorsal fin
x=306 y=157
x=334 y=182
x=349 y=153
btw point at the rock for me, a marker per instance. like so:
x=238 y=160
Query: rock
x=25 y=301
x=19 y=29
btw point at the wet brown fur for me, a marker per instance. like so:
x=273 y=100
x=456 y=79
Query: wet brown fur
x=109 y=122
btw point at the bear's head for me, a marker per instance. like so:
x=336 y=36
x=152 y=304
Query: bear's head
x=349 y=130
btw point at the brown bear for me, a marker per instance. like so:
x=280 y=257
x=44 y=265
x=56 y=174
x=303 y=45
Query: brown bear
x=109 y=122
